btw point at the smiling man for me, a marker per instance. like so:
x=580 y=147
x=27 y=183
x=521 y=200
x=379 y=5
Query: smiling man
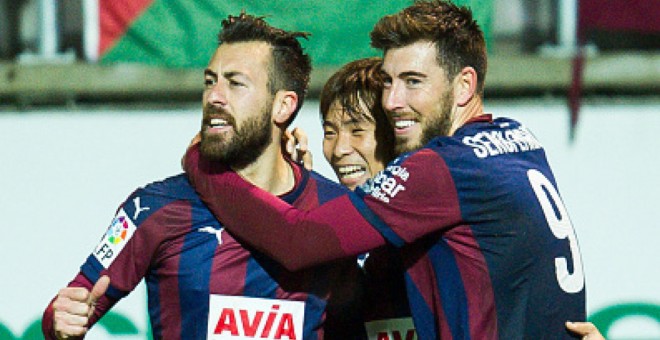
x=357 y=138
x=488 y=247
x=202 y=283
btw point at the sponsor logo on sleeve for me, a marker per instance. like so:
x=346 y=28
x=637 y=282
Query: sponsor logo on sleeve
x=387 y=183
x=121 y=230
x=237 y=317
x=390 y=329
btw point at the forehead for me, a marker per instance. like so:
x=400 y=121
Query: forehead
x=418 y=57
x=339 y=116
x=249 y=58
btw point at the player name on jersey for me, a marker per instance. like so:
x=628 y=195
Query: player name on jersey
x=235 y=317
x=493 y=143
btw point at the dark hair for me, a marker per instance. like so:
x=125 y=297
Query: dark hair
x=358 y=88
x=291 y=66
x=457 y=36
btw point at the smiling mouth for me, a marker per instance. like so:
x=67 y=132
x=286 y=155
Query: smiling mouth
x=351 y=171
x=404 y=123
x=218 y=123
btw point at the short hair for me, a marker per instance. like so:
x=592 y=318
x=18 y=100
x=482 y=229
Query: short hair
x=290 y=67
x=457 y=36
x=358 y=88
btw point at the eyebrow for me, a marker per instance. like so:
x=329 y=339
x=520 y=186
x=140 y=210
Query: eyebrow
x=208 y=72
x=227 y=75
x=345 y=122
x=232 y=74
x=412 y=74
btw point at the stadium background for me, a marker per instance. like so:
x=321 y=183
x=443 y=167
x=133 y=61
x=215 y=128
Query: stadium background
x=101 y=107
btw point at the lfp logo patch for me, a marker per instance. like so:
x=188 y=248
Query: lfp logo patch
x=121 y=229
x=118 y=230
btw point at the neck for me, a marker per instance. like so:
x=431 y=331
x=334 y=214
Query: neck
x=270 y=171
x=462 y=114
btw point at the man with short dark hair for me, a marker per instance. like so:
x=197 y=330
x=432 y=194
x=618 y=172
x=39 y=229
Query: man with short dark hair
x=202 y=283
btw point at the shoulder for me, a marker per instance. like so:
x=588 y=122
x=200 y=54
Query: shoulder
x=174 y=186
x=151 y=198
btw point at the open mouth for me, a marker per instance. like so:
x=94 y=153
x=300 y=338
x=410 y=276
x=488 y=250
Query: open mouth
x=351 y=171
x=218 y=123
x=404 y=123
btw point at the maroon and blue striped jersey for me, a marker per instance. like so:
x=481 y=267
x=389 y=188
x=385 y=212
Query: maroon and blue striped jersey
x=487 y=244
x=202 y=283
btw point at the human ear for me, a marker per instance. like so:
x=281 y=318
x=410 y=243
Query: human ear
x=284 y=105
x=465 y=86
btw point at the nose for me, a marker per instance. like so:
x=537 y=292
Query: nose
x=216 y=94
x=393 y=98
x=343 y=145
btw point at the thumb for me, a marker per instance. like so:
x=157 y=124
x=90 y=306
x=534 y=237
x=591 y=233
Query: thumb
x=99 y=289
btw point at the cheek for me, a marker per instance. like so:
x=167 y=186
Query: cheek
x=368 y=151
x=327 y=150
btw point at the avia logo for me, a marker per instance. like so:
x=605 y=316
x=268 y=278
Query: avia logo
x=396 y=335
x=391 y=329
x=237 y=317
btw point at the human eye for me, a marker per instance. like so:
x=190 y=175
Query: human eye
x=413 y=81
x=209 y=81
x=329 y=133
x=235 y=83
x=387 y=82
x=357 y=130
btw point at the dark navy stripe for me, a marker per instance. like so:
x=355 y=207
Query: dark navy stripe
x=451 y=288
x=261 y=283
x=375 y=221
x=154 y=307
x=422 y=315
x=194 y=271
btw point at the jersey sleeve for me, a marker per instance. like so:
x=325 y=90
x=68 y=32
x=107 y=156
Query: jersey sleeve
x=343 y=227
x=414 y=196
x=130 y=244
x=125 y=252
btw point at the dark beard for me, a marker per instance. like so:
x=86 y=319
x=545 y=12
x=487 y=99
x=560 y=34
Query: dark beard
x=247 y=144
x=437 y=126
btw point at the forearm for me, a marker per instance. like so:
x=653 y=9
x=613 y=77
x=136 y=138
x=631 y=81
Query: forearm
x=294 y=238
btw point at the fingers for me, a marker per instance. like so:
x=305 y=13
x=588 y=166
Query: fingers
x=301 y=138
x=73 y=307
x=587 y=330
x=68 y=325
x=70 y=312
x=290 y=144
x=307 y=160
